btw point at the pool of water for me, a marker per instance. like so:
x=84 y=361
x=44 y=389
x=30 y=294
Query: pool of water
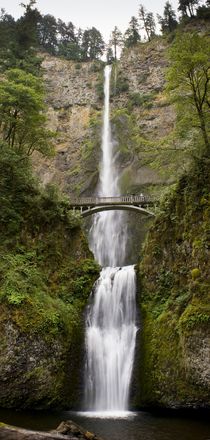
x=128 y=426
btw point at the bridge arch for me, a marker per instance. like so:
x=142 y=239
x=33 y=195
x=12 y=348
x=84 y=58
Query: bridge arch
x=94 y=209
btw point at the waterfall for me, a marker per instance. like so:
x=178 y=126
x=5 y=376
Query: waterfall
x=111 y=318
x=108 y=234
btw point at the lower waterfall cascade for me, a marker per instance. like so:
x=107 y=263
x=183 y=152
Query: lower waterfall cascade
x=110 y=340
x=111 y=316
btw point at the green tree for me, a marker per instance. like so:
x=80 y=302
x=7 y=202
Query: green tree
x=7 y=30
x=148 y=22
x=116 y=40
x=27 y=26
x=92 y=44
x=69 y=41
x=132 y=35
x=168 y=22
x=188 y=7
x=203 y=11
x=189 y=82
x=109 y=55
x=66 y=32
x=22 y=119
x=70 y=51
x=47 y=33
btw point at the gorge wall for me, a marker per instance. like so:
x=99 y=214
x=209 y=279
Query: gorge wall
x=47 y=270
x=172 y=364
x=142 y=121
x=174 y=276
x=142 y=118
x=46 y=275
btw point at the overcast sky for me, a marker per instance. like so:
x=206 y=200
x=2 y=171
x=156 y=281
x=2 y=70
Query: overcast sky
x=103 y=14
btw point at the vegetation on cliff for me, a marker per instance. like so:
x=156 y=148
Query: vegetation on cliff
x=46 y=269
x=46 y=275
x=174 y=271
x=175 y=289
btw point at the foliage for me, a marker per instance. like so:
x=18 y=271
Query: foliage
x=168 y=22
x=140 y=99
x=119 y=83
x=175 y=283
x=195 y=273
x=188 y=7
x=22 y=120
x=40 y=241
x=33 y=31
x=148 y=22
x=109 y=55
x=188 y=82
x=92 y=44
x=47 y=33
x=26 y=26
x=7 y=30
x=132 y=36
x=116 y=40
x=203 y=12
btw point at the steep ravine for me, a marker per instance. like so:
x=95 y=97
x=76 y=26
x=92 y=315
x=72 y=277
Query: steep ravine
x=42 y=327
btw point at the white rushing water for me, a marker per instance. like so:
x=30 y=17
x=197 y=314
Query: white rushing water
x=111 y=318
x=108 y=235
x=111 y=335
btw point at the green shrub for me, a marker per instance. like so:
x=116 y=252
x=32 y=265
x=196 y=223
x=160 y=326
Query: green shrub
x=140 y=99
x=195 y=273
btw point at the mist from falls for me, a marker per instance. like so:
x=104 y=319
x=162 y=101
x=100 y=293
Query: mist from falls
x=111 y=318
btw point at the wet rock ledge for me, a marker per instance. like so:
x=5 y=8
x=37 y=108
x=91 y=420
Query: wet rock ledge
x=66 y=430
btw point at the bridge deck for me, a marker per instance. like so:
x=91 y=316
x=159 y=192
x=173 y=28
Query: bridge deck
x=101 y=201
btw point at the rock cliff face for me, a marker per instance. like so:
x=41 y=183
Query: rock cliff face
x=72 y=103
x=172 y=370
x=142 y=121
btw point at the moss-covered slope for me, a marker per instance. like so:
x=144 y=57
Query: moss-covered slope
x=46 y=275
x=174 y=368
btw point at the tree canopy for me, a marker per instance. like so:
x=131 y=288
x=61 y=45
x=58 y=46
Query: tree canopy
x=148 y=22
x=132 y=35
x=189 y=81
x=22 y=121
x=168 y=22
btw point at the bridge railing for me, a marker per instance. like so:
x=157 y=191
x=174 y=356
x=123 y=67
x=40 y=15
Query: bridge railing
x=93 y=201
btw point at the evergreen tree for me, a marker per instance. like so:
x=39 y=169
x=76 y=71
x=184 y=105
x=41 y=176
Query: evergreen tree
x=132 y=35
x=109 y=55
x=188 y=7
x=116 y=40
x=203 y=11
x=66 y=32
x=70 y=51
x=7 y=30
x=168 y=22
x=47 y=33
x=92 y=44
x=148 y=22
x=27 y=26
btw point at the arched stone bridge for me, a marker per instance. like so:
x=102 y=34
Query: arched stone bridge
x=91 y=205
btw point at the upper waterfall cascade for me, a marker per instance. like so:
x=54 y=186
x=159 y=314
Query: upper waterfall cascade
x=111 y=318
